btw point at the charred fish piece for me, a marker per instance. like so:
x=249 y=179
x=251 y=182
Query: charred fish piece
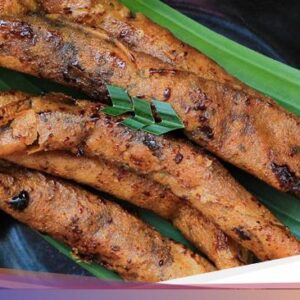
x=136 y=32
x=95 y=228
x=230 y=123
x=57 y=123
x=143 y=192
x=126 y=185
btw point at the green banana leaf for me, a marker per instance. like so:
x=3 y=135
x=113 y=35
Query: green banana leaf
x=266 y=75
x=272 y=78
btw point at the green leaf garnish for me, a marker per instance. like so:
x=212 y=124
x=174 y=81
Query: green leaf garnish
x=169 y=119
x=121 y=103
x=167 y=114
x=143 y=118
x=143 y=115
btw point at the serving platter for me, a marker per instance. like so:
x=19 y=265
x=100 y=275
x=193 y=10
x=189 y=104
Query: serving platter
x=21 y=248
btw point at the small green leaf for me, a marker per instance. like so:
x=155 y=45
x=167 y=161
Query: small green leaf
x=169 y=117
x=143 y=114
x=121 y=102
x=133 y=123
x=119 y=97
x=114 y=111
x=143 y=118
x=143 y=111
x=158 y=129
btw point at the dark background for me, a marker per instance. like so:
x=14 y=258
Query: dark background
x=270 y=27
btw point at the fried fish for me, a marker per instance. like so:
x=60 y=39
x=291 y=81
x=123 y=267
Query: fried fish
x=249 y=131
x=96 y=229
x=134 y=30
x=143 y=192
x=54 y=122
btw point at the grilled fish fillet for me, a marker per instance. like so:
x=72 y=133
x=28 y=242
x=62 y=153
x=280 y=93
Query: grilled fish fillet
x=144 y=193
x=134 y=30
x=128 y=186
x=81 y=127
x=94 y=227
x=230 y=123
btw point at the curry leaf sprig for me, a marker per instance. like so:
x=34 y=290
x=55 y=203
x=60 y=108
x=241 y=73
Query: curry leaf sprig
x=143 y=118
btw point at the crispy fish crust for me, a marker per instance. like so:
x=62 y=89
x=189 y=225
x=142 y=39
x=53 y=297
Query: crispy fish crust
x=143 y=192
x=17 y=7
x=185 y=169
x=129 y=186
x=251 y=132
x=95 y=228
x=134 y=30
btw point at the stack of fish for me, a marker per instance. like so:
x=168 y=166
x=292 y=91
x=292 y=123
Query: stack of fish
x=89 y=45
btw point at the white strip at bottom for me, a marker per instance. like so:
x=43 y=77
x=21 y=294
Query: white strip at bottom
x=285 y=270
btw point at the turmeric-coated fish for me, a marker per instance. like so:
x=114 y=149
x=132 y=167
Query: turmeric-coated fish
x=129 y=186
x=96 y=229
x=57 y=123
x=143 y=192
x=250 y=131
x=135 y=31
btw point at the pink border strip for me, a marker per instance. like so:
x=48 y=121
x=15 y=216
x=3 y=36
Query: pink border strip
x=15 y=279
